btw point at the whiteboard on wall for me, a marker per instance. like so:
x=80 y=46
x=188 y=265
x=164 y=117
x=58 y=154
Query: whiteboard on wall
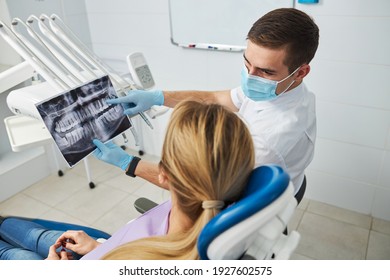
x=208 y=23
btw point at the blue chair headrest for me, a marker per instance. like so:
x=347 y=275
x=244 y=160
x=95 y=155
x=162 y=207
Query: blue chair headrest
x=266 y=183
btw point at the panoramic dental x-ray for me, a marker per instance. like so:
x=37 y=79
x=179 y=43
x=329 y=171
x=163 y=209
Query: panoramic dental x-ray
x=76 y=117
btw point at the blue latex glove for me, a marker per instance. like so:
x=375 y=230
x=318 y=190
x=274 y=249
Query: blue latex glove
x=112 y=154
x=138 y=101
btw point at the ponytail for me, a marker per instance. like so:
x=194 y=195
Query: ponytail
x=207 y=157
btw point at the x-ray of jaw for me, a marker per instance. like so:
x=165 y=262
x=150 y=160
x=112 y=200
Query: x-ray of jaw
x=74 y=118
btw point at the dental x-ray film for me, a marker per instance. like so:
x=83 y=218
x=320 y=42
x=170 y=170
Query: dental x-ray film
x=76 y=117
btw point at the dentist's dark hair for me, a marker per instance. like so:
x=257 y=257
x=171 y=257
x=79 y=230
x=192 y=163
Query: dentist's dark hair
x=287 y=28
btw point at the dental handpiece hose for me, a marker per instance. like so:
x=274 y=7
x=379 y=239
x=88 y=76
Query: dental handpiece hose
x=146 y=119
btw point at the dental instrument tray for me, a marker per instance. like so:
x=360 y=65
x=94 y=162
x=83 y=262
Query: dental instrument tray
x=26 y=132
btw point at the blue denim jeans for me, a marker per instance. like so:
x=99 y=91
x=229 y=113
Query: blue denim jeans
x=30 y=239
x=25 y=240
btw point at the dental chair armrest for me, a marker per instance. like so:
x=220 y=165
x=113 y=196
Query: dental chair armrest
x=143 y=204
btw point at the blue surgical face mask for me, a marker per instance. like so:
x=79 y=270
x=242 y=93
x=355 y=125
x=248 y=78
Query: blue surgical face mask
x=260 y=89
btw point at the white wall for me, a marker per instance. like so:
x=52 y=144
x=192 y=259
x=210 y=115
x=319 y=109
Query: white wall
x=350 y=78
x=351 y=167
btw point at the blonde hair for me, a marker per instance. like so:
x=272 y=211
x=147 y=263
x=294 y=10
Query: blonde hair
x=207 y=155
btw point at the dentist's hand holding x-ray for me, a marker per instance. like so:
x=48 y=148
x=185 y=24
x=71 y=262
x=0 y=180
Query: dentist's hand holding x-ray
x=138 y=101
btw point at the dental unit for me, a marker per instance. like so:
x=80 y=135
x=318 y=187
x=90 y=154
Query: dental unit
x=65 y=63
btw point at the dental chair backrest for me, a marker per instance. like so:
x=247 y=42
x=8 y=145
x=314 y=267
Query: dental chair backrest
x=256 y=222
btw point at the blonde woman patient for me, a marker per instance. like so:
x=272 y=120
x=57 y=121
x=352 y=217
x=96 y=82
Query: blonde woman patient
x=206 y=160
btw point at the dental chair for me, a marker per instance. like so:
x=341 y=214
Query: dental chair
x=255 y=226
x=251 y=228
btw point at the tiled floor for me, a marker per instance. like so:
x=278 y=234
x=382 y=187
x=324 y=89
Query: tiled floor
x=327 y=232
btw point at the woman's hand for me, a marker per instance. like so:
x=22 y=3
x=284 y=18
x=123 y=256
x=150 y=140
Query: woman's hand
x=62 y=255
x=77 y=241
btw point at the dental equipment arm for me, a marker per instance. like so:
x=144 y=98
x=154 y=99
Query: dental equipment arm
x=68 y=37
x=15 y=75
x=9 y=36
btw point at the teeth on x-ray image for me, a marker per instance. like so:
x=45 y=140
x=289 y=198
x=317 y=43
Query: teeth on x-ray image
x=76 y=117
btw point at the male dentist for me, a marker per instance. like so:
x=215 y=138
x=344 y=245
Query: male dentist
x=272 y=98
